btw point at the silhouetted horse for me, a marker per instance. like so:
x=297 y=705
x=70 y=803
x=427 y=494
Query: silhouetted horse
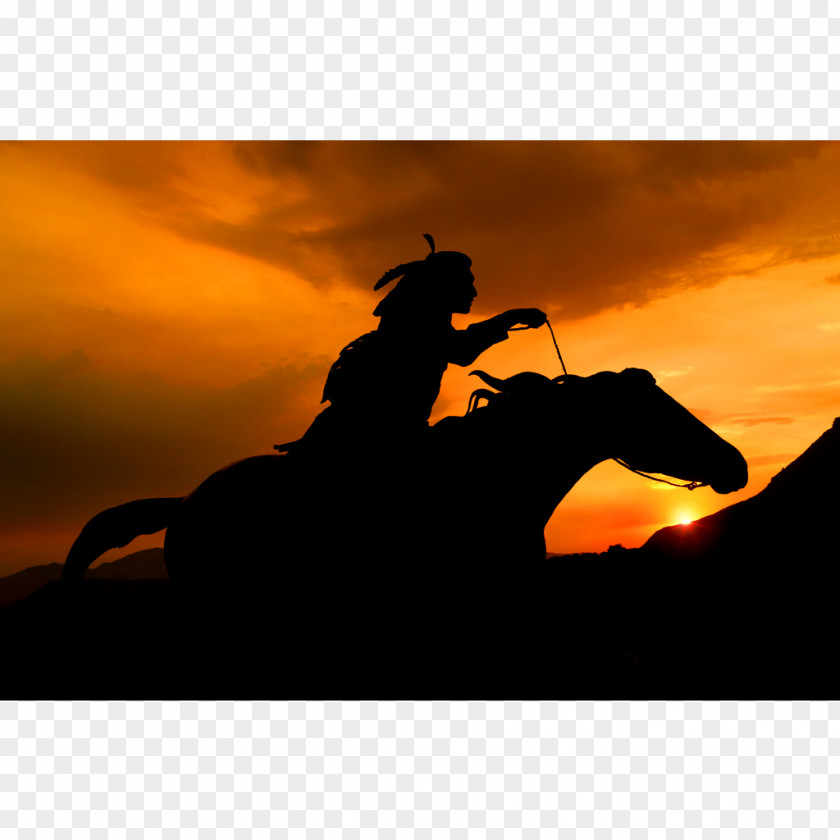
x=483 y=487
x=401 y=573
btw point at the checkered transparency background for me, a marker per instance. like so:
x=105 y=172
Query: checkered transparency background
x=582 y=770
x=456 y=70
x=116 y=69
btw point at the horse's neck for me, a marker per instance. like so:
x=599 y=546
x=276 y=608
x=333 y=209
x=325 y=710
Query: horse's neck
x=560 y=470
x=537 y=464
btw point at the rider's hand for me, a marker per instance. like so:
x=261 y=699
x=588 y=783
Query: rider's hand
x=529 y=317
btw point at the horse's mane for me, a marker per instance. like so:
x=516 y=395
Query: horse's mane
x=523 y=393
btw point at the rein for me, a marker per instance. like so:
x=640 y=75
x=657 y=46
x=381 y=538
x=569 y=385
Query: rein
x=515 y=329
x=691 y=485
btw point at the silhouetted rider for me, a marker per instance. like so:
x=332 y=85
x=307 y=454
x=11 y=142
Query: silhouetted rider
x=384 y=384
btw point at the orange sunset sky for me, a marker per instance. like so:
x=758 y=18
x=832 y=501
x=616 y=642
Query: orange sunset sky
x=170 y=307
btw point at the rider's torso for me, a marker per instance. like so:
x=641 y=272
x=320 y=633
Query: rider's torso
x=394 y=375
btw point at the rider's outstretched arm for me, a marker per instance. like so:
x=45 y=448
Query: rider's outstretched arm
x=465 y=346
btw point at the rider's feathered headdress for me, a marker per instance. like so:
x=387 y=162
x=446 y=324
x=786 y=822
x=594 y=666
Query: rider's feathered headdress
x=405 y=268
x=436 y=261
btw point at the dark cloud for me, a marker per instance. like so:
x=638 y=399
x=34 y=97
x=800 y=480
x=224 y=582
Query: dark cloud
x=148 y=175
x=585 y=226
x=665 y=163
x=76 y=440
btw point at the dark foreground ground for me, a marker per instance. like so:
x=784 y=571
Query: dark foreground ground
x=613 y=626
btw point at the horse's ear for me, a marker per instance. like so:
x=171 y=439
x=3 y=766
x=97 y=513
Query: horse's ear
x=641 y=376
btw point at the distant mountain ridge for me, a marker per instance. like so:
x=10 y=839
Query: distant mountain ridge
x=141 y=565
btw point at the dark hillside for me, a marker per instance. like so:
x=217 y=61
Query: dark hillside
x=744 y=602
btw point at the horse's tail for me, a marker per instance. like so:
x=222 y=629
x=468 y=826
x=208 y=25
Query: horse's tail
x=117 y=527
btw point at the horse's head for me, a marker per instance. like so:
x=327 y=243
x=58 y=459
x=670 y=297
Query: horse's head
x=628 y=417
x=653 y=433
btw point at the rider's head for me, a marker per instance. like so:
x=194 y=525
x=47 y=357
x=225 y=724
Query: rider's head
x=443 y=281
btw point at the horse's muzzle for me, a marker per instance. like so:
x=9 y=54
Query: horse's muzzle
x=734 y=476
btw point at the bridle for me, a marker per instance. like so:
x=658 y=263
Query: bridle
x=691 y=485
